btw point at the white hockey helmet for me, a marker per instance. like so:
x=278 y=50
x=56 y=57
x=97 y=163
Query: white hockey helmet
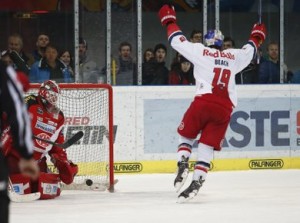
x=214 y=38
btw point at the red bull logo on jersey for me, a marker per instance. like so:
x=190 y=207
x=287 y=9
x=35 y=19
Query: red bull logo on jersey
x=216 y=54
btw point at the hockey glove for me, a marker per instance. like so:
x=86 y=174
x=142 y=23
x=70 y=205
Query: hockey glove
x=258 y=33
x=66 y=168
x=167 y=15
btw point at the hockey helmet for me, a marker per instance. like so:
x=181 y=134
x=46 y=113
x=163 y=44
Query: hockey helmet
x=214 y=38
x=49 y=92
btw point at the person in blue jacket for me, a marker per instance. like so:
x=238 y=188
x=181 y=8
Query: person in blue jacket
x=50 y=67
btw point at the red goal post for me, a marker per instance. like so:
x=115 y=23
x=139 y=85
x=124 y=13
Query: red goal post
x=88 y=108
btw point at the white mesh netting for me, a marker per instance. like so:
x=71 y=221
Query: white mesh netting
x=87 y=110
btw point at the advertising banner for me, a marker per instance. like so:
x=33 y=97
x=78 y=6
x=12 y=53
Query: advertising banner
x=264 y=131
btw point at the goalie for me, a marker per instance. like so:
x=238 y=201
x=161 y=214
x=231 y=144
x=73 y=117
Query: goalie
x=47 y=122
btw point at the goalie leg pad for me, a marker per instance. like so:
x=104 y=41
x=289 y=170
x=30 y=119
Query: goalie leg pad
x=13 y=164
x=49 y=185
x=21 y=184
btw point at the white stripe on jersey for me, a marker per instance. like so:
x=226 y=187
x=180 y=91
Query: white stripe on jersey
x=21 y=111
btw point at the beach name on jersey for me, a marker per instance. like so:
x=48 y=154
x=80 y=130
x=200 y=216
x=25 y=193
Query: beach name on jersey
x=216 y=54
x=221 y=62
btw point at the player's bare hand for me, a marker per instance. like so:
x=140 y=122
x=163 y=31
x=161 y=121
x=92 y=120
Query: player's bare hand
x=29 y=168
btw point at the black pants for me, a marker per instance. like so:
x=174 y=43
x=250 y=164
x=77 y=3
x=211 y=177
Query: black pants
x=4 y=199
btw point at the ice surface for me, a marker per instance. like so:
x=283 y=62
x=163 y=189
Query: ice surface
x=234 y=197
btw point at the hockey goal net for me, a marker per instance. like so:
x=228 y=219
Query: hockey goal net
x=88 y=108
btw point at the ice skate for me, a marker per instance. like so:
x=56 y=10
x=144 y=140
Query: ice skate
x=191 y=191
x=182 y=173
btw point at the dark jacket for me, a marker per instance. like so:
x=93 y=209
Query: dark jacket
x=249 y=75
x=155 y=73
x=20 y=62
x=127 y=73
x=269 y=72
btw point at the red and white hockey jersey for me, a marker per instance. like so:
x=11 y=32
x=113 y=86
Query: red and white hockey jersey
x=44 y=125
x=214 y=70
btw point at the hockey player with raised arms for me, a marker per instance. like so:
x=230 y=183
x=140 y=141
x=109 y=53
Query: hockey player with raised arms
x=47 y=121
x=209 y=113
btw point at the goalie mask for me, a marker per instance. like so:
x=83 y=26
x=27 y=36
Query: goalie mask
x=49 y=92
x=214 y=38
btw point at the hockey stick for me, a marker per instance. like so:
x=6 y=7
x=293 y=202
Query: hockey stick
x=66 y=144
x=20 y=198
x=259 y=22
x=259 y=12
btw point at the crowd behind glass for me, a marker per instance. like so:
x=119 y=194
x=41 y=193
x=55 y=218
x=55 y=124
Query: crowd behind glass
x=48 y=61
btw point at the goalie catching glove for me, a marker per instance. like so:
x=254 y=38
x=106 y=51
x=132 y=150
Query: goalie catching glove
x=66 y=168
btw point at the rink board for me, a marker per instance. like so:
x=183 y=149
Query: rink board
x=169 y=166
x=264 y=131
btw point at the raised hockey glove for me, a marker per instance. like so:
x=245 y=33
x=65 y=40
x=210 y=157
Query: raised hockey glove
x=258 y=33
x=167 y=15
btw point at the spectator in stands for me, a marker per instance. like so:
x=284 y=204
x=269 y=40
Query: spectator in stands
x=228 y=43
x=155 y=70
x=42 y=41
x=249 y=74
x=66 y=57
x=148 y=58
x=183 y=76
x=50 y=67
x=148 y=54
x=5 y=57
x=88 y=69
x=295 y=79
x=20 y=59
x=126 y=67
x=269 y=68
x=196 y=36
x=175 y=65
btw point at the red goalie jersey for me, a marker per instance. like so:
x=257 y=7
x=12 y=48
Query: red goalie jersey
x=47 y=123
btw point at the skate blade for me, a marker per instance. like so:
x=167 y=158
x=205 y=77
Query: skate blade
x=182 y=199
x=178 y=185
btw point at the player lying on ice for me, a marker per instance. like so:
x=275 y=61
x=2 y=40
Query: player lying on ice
x=209 y=113
x=46 y=122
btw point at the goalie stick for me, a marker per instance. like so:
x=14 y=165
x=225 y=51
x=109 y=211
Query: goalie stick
x=20 y=198
x=66 y=144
